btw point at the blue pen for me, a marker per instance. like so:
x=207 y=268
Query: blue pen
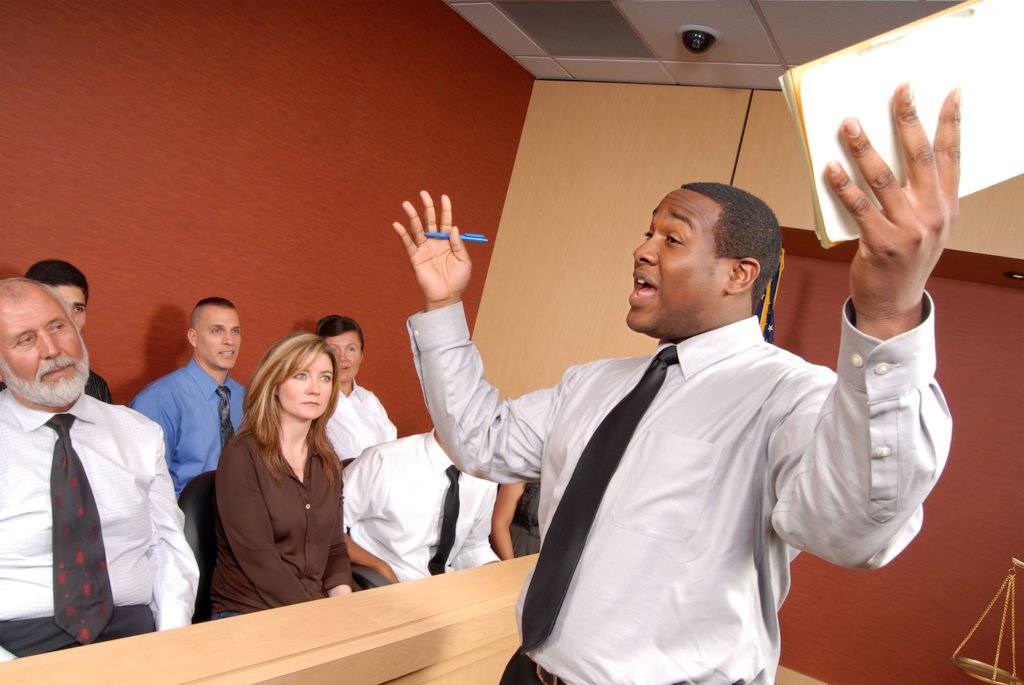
x=468 y=237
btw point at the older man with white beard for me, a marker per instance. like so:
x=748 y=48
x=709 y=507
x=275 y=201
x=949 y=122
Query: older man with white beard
x=93 y=547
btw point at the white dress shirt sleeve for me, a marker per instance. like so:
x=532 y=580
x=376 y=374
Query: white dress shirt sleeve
x=363 y=482
x=501 y=441
x=853 y=494
x=386 y=431
x=172 y=564
x=476 y=549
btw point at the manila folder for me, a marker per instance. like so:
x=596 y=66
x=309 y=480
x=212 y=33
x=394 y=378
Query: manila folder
x=975 y=46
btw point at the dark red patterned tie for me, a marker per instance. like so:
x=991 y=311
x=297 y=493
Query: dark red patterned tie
x=82 y=599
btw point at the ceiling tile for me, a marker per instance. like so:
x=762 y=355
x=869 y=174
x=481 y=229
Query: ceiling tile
x=577 y=29
x=759 y=76
x=614 y=40
x=489 y=20
x=544 y=68
x=741 y=36
x=618 y=71
x=808 y=29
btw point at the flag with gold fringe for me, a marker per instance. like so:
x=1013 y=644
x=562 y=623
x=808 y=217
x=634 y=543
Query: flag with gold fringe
x=766 y=308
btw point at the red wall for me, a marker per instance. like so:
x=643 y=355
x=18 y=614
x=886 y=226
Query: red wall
x=900 y=624
x=252 y=149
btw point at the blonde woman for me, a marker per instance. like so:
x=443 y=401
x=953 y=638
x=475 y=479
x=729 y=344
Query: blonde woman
x=278 y=487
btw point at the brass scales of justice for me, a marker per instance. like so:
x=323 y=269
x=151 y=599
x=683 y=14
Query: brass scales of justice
x=993 y=673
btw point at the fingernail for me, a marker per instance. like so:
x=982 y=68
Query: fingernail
x=852 y=127
x=908 y=93
x=956 y=96
x=833 y=168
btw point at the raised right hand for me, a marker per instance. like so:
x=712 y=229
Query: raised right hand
x=442 y=267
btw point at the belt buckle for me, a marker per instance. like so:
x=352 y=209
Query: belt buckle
x=547 y=678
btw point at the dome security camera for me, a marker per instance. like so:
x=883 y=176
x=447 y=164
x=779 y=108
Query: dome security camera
x=698 y=39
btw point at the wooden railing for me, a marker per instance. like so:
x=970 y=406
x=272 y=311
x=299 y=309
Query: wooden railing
x=455 y=628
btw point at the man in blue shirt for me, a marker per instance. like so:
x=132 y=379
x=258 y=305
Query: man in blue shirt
x=199 y=406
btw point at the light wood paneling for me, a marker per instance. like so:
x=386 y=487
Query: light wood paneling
x=992 y=221
x=771 y=166
x=593 y=162
x=450 y=629
x=770 y=163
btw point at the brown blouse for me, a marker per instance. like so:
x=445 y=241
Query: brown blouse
x=279 y=541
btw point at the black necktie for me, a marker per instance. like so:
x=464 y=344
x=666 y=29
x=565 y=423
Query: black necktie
x=448 y=521
x=82 y=599
x=226 y=429
x=570 y=525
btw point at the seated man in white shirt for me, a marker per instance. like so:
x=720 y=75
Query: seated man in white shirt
x=92 y=471
x=397 y=503
x=359 y=420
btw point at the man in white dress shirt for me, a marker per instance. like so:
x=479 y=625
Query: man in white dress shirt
x=747 y=454
x=142 y=550
x=394 y=499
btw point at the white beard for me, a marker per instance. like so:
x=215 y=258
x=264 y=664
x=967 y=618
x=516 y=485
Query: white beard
x=59 y=394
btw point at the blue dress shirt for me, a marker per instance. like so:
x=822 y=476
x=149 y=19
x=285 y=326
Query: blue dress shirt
x=186 y=405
